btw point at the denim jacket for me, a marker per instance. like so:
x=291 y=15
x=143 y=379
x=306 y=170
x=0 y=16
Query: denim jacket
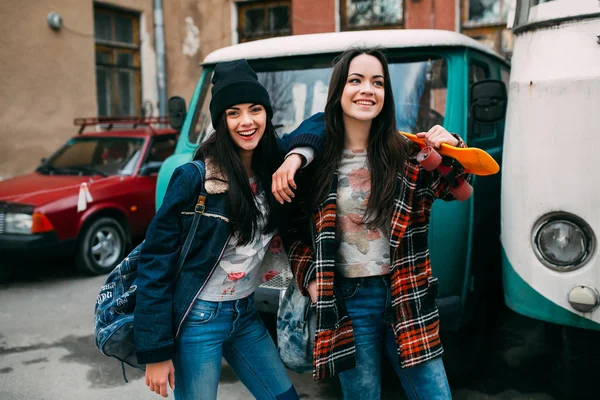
x=165 y=296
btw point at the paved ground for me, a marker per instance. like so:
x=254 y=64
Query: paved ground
x=47 y=350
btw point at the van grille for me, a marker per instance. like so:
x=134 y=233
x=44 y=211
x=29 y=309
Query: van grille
x=2 y=218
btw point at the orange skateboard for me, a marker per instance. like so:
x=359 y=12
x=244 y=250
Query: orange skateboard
x=475 y=161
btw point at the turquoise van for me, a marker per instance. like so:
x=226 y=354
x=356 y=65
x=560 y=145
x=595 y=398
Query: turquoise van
x=438 y=77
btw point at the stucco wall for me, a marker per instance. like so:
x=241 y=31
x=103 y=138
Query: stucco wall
x=193 y=29
x=436 y=14
x=47 y=78
x=313 y=16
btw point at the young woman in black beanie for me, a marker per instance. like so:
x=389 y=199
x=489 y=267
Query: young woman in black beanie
x=187 y=320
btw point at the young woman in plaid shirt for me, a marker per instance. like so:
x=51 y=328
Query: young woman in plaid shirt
x=358 y=240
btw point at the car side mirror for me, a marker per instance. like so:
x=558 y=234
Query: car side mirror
x=150 y=168
x=488 y=101
x=177 y=111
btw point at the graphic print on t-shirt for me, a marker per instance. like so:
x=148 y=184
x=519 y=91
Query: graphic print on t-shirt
x=362 y=251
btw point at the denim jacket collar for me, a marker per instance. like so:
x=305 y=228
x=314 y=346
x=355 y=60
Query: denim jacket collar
x=216 y=180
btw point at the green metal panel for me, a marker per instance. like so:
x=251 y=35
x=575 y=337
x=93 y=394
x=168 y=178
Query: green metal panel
x=525 y=300
x=449 y=229
x=452 y=226
x=166 y=170
x=184 y=150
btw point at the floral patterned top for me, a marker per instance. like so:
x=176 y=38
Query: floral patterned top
x=362 y=251
x=239 y=272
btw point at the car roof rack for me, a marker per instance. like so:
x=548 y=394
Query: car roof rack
x=125 y=120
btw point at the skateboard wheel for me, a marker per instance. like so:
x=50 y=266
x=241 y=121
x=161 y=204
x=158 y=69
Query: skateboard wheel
x=463 y=191
x=429 y=158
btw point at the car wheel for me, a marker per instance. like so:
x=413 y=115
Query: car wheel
x=102 y=245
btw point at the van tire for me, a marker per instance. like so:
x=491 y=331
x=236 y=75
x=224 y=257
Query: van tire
x=101 y=246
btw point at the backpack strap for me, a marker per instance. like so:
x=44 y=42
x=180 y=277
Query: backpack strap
x=199 y=210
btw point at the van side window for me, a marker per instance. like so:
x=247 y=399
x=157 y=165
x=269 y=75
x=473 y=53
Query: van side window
x=162 y=147
x=201 y=124
x=478 y=72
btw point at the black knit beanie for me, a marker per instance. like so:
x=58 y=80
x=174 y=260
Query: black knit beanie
x=234 y=82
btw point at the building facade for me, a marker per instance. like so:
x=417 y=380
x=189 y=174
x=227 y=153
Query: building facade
x=101 y=58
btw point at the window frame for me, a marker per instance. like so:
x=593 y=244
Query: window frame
x=344 y=26
x=244 y=6
x=113 y=48
x=467 y=23
x=490 y=134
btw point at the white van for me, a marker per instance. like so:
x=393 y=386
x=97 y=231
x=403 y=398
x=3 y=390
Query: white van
x=550 y=189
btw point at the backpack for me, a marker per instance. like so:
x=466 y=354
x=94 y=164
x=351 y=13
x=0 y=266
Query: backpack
x=115 y=304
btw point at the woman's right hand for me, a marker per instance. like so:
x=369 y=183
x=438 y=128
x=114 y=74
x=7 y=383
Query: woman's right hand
x=312 y=290
x=157 y=376
x=283 y=179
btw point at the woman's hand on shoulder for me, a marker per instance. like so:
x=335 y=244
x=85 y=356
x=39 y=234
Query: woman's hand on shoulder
x=283 y=179
x=157 y=376
x=438 y=135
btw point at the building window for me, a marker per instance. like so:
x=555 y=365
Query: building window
x=487 y=12
x=118 y=80
x=364 y=14
x=263 y=19
x=485 y=21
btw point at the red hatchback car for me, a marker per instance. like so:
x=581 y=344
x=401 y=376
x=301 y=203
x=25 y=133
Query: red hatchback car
x=88 y=199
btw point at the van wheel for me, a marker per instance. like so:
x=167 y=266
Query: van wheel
x=102 y=245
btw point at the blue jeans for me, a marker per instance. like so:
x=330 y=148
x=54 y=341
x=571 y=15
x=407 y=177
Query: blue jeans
x=230 y=329
x=368 y=302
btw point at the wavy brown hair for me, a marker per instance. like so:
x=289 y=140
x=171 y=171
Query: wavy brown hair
x=386 y=151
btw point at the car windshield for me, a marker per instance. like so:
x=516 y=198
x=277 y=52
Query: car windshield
x=419 y=87
x=95 y=156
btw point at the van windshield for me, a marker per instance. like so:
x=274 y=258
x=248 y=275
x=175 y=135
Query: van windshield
x=419 y=87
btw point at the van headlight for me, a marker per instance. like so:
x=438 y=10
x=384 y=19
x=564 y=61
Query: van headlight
x=18 y=223
x=563 y=241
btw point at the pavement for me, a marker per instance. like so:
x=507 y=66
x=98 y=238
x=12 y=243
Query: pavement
x=47 y=350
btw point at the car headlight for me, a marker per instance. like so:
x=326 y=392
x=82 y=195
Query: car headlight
x=563 y=241
x=18 y=223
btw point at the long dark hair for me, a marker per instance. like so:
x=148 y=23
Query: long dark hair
x=267 y=157
x=386 y=151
